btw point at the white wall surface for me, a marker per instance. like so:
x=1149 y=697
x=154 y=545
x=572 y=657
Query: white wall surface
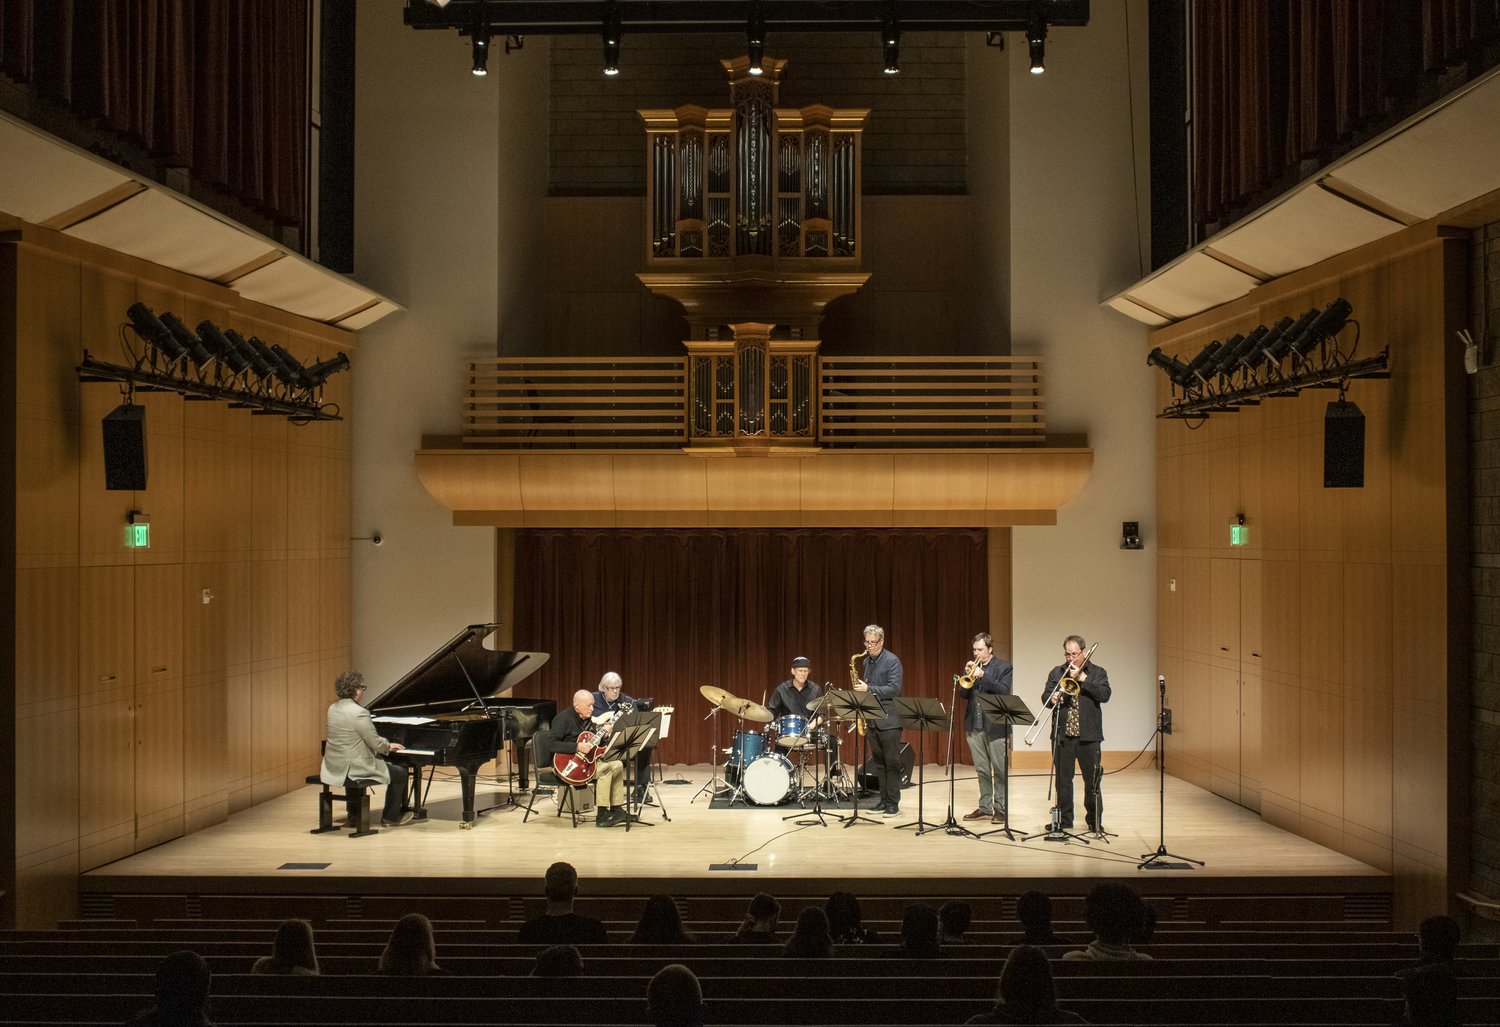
x=1076 y=204
x=449 y=169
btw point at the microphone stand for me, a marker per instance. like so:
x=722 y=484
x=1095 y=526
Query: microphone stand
x=952 y=825
x=1158 y=860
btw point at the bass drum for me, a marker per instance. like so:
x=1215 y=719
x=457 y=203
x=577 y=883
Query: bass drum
x=768 y=779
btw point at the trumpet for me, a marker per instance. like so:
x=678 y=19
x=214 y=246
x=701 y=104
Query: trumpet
x=1070 y=684
x=972 y=673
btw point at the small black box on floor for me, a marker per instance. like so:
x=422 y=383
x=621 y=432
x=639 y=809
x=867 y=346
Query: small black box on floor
x=908 y=762
x=1343 y=446
x=125 y=449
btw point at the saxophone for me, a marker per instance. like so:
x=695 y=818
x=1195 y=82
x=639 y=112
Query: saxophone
x=854 y=680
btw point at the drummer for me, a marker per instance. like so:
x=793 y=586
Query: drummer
x=792 y=696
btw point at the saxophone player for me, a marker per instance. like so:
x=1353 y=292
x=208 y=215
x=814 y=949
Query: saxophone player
x=1077 y=728
x=882 y=678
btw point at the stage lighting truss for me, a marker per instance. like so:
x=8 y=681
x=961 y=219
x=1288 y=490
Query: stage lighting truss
x=1277 y=360
x=214 y=363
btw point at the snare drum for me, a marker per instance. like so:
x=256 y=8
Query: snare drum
x=768 y=779
x=746 y=746
x=791 y=731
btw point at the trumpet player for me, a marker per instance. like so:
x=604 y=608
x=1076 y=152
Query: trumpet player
x=1077 y=727
x=987 y=740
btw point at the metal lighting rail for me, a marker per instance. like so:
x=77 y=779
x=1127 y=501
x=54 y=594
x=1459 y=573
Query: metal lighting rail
x=92 y=370
x=1324 y=377
x=566 y=17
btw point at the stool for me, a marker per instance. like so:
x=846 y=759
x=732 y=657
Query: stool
x=358 y=790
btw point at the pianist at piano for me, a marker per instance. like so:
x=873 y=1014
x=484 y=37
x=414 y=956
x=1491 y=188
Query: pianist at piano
x=355 y=749
x=609 y=774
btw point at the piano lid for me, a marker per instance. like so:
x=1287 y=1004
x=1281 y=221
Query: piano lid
x=439 y=683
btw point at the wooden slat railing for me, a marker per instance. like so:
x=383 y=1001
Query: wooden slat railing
x=615 y=404
x=576 y=403
x=930 y=402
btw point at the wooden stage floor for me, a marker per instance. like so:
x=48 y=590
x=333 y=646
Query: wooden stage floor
x=251 y=851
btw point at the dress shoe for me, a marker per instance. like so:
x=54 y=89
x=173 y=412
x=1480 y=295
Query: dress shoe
x=891 y=811
x=605 y=817
x=404 y=818
x=998 y=818
x=978 y=814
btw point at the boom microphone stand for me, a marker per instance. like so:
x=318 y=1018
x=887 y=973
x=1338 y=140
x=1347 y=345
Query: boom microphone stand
x=1159 y=860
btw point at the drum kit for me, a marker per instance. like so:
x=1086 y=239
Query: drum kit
x=755 y=769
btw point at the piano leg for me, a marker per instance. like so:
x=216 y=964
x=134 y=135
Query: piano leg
x=466 y=783
x=416 y=793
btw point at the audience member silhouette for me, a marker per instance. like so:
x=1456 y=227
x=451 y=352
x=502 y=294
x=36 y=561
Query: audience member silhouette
x=844 y=920
x=919 y=932
x=811 y=938
x=559 y=925
x=411 y=952
x=558 y=961
x=660 y=924
x=759 y=925
x=674 y=998
x=955 y=916
x=181 y=993
x=1114 y=912
x=1034 y=911
x=1437 y=939
x=291 y=953
x=1431 y=997
x=1027 y=994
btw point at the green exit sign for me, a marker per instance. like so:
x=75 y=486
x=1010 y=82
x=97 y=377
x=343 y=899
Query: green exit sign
x=138 y=531
x=1238 y=534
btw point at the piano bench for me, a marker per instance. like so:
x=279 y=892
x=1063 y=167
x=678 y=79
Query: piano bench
x=359 y=791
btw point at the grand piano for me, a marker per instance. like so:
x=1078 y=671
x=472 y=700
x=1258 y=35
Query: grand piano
x=449 y=711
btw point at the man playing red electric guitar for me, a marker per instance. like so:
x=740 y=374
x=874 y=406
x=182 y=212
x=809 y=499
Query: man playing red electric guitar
x=609 y=774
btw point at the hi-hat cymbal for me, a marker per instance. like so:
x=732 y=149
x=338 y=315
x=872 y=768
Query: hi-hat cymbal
x=750 y=711
x=718 y=696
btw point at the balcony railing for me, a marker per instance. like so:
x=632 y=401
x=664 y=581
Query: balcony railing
x=612 y=404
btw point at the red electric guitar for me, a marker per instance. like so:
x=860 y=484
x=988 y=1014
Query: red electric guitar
x=577 y=768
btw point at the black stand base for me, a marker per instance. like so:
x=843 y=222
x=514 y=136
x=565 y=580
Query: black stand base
x=1161 y=859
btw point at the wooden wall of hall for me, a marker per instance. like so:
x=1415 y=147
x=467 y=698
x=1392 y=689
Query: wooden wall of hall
x=1319 y=673
x=156 y=691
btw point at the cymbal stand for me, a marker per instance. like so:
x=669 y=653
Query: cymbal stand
x=715 y=786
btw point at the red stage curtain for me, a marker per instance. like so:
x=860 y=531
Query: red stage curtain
x=672 y=610
x=218 y=87
x=1275 y=84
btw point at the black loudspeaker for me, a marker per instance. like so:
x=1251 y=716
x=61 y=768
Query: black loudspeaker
x=908 y=763
x=125 y=449
x=1343 y=446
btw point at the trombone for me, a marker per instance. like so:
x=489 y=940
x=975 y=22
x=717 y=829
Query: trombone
x=1070 y=684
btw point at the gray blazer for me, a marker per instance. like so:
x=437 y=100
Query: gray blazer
x=354 y=747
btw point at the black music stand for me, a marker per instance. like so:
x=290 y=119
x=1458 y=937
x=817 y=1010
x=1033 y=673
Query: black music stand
x=1011 y=711
x=626 y=741
x=862 y=708
x=655 y=720
x=924 y=714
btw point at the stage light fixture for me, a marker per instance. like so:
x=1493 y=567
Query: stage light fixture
x=289 y=369
x=1327 y=324
x=198 y=352
x=755 y=38
x=220 y=346
x=1036 y=40
x=1197 y=364
x=890 y=38
x=1278 y=350
x=1176 y=370
x=1235 y=348
x=611 y=32
x=321 y=371
x=149 y=328
x=480 y=67
x=259 y=366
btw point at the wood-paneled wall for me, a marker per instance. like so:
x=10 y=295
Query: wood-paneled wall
x=158 y=690
x=1319 y=673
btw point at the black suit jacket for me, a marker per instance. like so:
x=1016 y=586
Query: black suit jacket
x=996 y=679
x=1093 y=691
x=884 y=676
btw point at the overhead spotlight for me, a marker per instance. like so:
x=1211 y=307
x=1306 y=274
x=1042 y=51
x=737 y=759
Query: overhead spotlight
x=265 y=362
x=1329 y=323
x=1176 y=370
x=220 y=347
x=321 y=371
x=288 y=368
x=1275 y=350
x=1036 y=39
x=200 y=354
x=890 y=38
x=149 y=327
x=755 y=38
x=259 y=365
x=611 y=32
x=1197 y=364
x=481 y=52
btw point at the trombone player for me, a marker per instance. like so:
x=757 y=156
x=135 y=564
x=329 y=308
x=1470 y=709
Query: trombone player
x=1076 y=688
x=986 y=674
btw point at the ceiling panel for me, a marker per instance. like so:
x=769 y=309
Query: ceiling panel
x=298 y=285
x=1310 y=225
x=156 y=227
x=1194 y=283
x=40 y=178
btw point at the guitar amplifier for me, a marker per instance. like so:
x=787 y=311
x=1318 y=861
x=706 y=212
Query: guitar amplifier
x=867 y=776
